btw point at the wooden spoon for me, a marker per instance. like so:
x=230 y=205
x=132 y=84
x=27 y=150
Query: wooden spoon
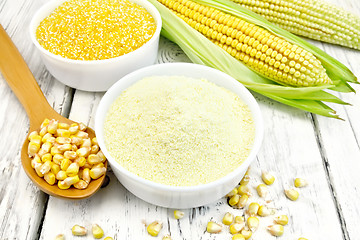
x=23 y=84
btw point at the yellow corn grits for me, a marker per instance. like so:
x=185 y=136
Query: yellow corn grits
x=95 y=29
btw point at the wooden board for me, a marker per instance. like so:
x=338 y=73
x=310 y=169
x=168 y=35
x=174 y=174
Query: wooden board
x=324 y=151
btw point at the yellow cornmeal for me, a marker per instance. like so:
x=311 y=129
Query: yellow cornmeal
x=95 y=29
x=179 y=131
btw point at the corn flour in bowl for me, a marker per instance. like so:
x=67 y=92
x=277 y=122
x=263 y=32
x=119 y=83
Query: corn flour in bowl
x=180 y=135
x=179 y=131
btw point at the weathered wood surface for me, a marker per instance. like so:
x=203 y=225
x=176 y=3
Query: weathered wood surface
x=324 y=151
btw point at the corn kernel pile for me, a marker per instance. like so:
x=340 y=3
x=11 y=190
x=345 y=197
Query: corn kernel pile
x=95 y=29
x=64 y=154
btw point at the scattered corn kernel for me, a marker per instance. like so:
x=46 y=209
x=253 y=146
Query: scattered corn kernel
x=60 y=237
x=57 y=158
x=228 y=218
x=63 y=133
x=178 y=214
x=50 y=178
x=45 y=168
x=252 y=223
x=265 y=211
x=154 y=228
x=213 y=227
x=253 y=208
x=262 y=190
x=82 y=126
x=234 y=200
x=72 y=170
x=71 y=180
x=236 y=227
x=282 y=220
x=61 y=175
x=166 y=237
x=292 y=194
x=81 y=184
x=244 y=190
x=82 y=134
x=45 y=123
x=52 y=126
x=246 y=233
x=38 y=168
x=46 y=157
x=33 y=148
x=65 y=147
x=78 y=230
x=36 y=139
x=242 y=201
x=63 y=126
x=80 y=161
x=65 y=163
x=55 y=150
x=35 y=160
x=101 y=155
x=94 y=159
x=43 y=131
x=108 y=238
x=86 y=143
x=97 y=172
x=245 y=180
x=302 y=238
x=276 y=230
x=300 y=182
x=97 y=231
x=46 y=137
x=267 y=178
x=76 y=140
x=70 y=154
x=239 y=219
x=63 y=140
x=63 y=185
x=86 y=175
x=238 y=236
x=233 y=192
x=83 y=151
x=33 y=134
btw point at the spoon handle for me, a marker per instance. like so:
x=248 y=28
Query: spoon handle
x=22 y=82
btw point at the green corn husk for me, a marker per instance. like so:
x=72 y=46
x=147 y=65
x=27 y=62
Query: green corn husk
x=201 y=50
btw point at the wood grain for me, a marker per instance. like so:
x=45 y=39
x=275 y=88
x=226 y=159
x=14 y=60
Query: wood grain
x=324 y=151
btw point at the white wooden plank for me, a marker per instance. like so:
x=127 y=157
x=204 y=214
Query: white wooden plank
x=21 y=203
x=340 y=140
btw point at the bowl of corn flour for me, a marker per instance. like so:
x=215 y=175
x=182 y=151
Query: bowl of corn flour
x=179 y=135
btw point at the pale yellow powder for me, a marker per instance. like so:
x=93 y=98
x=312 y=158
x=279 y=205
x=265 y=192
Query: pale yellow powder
x=179 y=131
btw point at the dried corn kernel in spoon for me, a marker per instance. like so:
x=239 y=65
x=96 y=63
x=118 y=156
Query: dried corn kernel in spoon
x=62 y=157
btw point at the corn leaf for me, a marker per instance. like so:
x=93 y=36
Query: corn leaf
x=202 y=51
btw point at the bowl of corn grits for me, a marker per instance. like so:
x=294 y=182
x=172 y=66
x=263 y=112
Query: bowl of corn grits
x=179 y=135
x=90 y=44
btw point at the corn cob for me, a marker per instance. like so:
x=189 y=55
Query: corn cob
x=314 y=19
x=201 y=50
x=258 y=48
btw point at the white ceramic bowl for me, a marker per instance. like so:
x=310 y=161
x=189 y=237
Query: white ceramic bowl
x=172 y=196
x=96 y=75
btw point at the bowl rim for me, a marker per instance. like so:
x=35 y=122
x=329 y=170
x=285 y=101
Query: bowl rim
x=53 y=4
x=105 y=103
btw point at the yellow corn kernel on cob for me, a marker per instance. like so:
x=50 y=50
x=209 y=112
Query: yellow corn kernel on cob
x=259 y=49
x=314 y=19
